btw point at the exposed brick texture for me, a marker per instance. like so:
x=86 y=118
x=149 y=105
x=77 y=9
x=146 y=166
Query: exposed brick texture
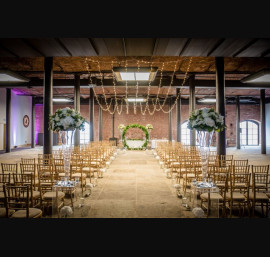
x=159 y=120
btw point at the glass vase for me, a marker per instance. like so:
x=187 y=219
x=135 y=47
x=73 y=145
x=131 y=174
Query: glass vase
x=205 y=140
x=67 y=140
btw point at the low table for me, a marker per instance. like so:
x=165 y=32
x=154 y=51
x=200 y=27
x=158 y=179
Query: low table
x=135 y=143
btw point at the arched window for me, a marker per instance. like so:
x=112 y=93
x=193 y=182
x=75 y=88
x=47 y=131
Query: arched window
x=185 y=133
x=249 y=132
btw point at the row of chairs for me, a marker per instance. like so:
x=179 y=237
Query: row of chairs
x=33 y=180
x=185 y=164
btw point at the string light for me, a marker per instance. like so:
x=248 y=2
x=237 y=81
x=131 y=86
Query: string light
x=155 y=101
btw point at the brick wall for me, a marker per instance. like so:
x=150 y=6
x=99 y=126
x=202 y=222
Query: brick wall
x=159 y=120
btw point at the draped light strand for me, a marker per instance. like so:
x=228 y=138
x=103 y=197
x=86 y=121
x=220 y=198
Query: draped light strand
x=155 y=101
x=178 y=95
x=91 y=81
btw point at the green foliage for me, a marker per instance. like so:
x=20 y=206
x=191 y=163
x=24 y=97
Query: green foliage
x=143 y=128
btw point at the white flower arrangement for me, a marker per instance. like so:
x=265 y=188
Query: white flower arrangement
x=121 y=126
x=66 y=119
x=149 y=126
x=198 y=212
x=206 y=119
x=66 y=211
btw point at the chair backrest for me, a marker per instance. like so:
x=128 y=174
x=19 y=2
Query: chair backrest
x=260 y=169
x=27 y=168
x=240 y=169
x=259 y=182
x=240 y=181
x=9 y=168
x=45 y=159
x=221 y=180
x=28 y=161
x=4 y=180
x=240 y=162
x=17 y=198
x=58 y=161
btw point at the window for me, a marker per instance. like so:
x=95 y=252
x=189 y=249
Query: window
x=249 y=134
x=185 y=133
x=84 y=135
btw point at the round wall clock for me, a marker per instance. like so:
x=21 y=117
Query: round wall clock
x=26 y=121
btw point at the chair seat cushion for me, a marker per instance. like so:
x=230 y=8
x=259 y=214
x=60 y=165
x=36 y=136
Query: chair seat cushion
x=33 y=212
x=51 y=195
x=213 y=196
x=220 y=184
x=36 y=194
x=259 y=196
x=78 y=175
x=3 y=212
x=236 y=196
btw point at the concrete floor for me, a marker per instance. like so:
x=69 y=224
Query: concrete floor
x=135 y=186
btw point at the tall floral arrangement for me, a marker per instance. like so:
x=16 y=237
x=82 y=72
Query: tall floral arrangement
x=121 y=126
x=66 y=119
x=149 y=126
x=206 y=119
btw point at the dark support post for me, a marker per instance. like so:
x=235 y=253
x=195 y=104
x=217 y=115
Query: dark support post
x=77 y=106
x=100 y=124
x=91 y=112
x=8 y=120
x=170 y=121
x=220 y=104
x=47 y=104
x=238 y=123
x=192 y=106
x=178 y=115
x=263 y=130
x=33 y=123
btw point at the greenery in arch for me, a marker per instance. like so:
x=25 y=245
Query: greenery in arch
x=143 y=128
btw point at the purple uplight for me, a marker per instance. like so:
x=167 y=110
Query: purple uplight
x=38 y=120
x=17 y=91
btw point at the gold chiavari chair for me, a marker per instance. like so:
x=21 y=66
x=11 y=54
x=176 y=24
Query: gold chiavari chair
x=17 y=199
x=76 y=171
x=28 y=180
x=48 y=196
x=218 y=198
x=238 y=192
x=29 y=168
x=258 y=194
x=4 y=179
